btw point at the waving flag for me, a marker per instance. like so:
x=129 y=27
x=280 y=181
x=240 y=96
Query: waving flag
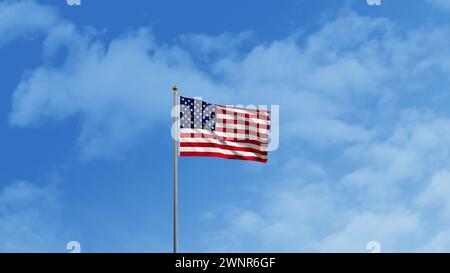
x=221 y=131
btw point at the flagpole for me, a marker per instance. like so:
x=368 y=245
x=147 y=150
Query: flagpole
x=175 y=170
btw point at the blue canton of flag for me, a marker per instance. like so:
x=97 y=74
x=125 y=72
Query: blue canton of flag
x=197 y=114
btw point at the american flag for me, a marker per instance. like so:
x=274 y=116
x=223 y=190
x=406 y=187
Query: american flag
x=223 y=131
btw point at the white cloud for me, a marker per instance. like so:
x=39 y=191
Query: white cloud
x=28 y=218
x=417 y=148
x=336 y=131
x=224 y=43
x=436 y=194
x=23 y=19
x=444 y=4
x=120 y=90
x=395 y=230
x=282 y=223
x=382 y=153
x=438 y=243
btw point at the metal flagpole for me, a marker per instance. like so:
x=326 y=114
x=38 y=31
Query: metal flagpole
x=175 y=169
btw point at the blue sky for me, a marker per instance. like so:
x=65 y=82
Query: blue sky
x=85 y=150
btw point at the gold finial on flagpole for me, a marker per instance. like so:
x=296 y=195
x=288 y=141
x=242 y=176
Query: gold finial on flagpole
x=174 y=88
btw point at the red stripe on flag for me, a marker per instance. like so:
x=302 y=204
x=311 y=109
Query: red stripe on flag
x=223 y=147
x=210 y=154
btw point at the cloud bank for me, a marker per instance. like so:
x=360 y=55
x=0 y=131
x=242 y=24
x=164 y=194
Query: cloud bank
x=28 y=218
x=443 y=4
x=15 y=24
